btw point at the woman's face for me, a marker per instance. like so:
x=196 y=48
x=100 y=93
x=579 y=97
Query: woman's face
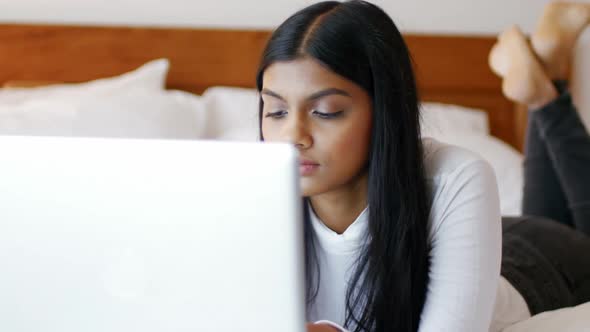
x=326 y=116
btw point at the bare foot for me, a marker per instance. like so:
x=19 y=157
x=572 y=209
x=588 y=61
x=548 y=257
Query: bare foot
x=524 y=80
x=557 y=32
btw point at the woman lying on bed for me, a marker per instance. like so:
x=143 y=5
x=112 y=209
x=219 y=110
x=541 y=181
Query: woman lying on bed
x=404 y=233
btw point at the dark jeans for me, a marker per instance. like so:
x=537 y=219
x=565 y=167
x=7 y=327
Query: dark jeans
x=546 y=253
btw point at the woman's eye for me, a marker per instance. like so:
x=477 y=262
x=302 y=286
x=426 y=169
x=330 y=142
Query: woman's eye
x=323 y=115
x=276 y=115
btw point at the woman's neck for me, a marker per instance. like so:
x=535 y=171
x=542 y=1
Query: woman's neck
x=338 y=209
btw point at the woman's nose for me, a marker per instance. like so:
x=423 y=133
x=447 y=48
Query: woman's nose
x=297 y=132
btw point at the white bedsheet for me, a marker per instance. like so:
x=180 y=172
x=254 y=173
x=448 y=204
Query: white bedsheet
x=575 y=319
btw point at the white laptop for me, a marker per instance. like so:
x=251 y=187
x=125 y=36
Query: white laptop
x=149 y=235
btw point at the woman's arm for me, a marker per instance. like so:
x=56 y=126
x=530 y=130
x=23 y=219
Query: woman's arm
x=466 y=251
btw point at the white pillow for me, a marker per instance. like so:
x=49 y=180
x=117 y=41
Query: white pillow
x=150 y=77
x=572 y=319
x=135 y=114
x=440 y=118
x=37 y=117
x=232 y=113
x=141 y=114
x=505 y=160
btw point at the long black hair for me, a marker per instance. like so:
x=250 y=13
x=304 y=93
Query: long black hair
x=359 y=41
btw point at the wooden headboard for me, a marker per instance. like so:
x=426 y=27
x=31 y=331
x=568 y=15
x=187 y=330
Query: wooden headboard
x=450 y=69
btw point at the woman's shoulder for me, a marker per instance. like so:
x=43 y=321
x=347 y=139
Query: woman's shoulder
x=461 y=184
x=442 y=159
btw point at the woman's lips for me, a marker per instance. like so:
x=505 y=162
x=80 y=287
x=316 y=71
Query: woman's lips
x=307 y=167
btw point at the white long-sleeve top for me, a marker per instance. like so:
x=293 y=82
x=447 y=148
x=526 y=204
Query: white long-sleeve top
x=465 y=237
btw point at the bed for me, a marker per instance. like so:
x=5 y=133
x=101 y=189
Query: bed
x=450 y=70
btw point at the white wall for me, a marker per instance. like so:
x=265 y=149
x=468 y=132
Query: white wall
x=475 y=16
x=429 y=16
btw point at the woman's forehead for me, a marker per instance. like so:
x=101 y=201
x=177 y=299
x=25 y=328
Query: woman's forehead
x=302 y=77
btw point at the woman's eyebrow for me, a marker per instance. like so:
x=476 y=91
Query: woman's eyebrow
x=314 y=96
x=272 y=94
x=328 y=92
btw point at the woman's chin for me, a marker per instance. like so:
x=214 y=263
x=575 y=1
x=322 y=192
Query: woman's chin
x=308 y=188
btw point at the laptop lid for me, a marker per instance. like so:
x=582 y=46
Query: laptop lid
x=149 y=235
